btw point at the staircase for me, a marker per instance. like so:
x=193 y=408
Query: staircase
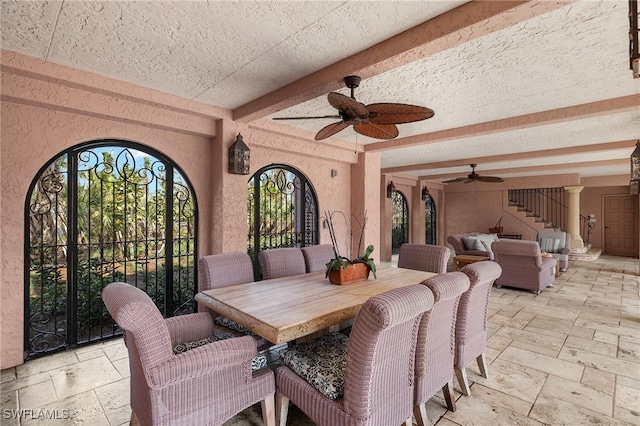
x=547 y=208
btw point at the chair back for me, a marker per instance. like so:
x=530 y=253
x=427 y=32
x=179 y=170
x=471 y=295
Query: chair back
x=317 y=257
x=424 y=257
x=436 y=336
x=381 y=355
x=224 y=269
x=473 y=308
x=281 y=262
x=517 y=254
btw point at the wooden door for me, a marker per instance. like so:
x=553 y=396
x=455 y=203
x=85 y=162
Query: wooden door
x=621 y=225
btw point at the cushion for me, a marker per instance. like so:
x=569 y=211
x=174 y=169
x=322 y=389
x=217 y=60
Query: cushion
x=257 y=362
x=320 y=362
x=231 y=324
x=472 y=243
x=548 y=244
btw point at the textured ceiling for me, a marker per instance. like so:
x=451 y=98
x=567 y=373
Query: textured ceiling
x=508 y=81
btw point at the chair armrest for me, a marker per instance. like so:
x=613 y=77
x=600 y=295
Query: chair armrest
x=185 y=328
x=548 y=263
x=205 y=359
x=564 y=250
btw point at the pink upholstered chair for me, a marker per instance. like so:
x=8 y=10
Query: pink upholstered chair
x=365 y=379
x=281 y=262
x=223 y=270
x=424 y=257
x=471 y=323
x=317 y=257
x=208 y=384
x=436 y=343
x=523 y=265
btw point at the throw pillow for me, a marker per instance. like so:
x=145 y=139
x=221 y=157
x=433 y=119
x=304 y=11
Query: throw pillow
x=320 y=362
x=472 y=243
x=548 y=244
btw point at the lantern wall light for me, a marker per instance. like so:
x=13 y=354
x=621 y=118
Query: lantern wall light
x=239 y=157
x=390 y=188
x=634 y=184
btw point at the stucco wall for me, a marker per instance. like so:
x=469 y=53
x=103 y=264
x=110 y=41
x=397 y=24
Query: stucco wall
x=47 y=108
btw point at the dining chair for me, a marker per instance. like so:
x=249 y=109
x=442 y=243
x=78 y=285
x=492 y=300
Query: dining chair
x=207 y=384
x=436 y=343
x=365 y=379
x=316 y=257
x=424 y=257
x=281 y=262
x=471 y=322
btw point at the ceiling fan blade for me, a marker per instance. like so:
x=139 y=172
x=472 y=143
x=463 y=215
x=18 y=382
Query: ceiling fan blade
x=490 y=179
x=460 y=179
x=390 y=113
x=378 y=131
x=347 y=105
x=308 y=118
x=331 y=130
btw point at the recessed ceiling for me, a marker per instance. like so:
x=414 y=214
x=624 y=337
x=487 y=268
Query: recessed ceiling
x=506 y=81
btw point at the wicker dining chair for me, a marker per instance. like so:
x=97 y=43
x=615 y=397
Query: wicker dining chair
x=471 y=322
x=365 y=379
x=205 y=385
x=316 y=257
x=281 y=262
x=436 y=343
x=424 y=257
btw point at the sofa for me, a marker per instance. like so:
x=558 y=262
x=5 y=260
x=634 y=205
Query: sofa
x=523 y=265
x=557 y=244
x=473 y=243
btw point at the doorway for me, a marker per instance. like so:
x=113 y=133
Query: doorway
x=621 y=225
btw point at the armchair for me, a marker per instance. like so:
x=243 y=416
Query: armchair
x=557 y=244
x=208 y=384
x=523 y=265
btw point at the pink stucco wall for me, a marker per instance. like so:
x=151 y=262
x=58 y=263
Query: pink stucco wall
x=47 y=108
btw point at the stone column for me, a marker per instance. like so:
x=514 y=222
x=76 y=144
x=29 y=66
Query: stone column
x=573 y=218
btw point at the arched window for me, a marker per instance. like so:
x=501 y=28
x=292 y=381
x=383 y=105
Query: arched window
x=282 y=210
x=430 y=220
x=399 y=221
x=104 y=211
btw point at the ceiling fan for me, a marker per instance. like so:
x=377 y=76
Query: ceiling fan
x=473 y=176
x=374 y=120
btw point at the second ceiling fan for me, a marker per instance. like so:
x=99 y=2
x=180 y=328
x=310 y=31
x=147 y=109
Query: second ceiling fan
x=374 y=120
x=473 y=177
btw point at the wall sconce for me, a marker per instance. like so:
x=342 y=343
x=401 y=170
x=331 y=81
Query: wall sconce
x=425 y=193
x=390 y=188
x=634 y=184
x=334 y=173
x=239 y=154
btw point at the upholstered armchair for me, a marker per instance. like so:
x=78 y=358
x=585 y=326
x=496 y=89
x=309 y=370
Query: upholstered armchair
x=471 y=322
x=424 y=257
x=207 y=384
x=317 y=257
x=281 y=262
x=523 y=265
x=365 y=379
x=435 y=349
x=557 y=244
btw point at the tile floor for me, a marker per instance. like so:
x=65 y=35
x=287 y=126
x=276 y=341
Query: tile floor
x=569 y=356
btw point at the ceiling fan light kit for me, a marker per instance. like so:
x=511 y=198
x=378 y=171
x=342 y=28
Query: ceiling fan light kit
x=376 y=120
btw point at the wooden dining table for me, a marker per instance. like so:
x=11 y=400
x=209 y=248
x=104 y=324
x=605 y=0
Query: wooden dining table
x=285 y=309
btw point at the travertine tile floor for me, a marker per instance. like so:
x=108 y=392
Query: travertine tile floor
x=569 y=356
